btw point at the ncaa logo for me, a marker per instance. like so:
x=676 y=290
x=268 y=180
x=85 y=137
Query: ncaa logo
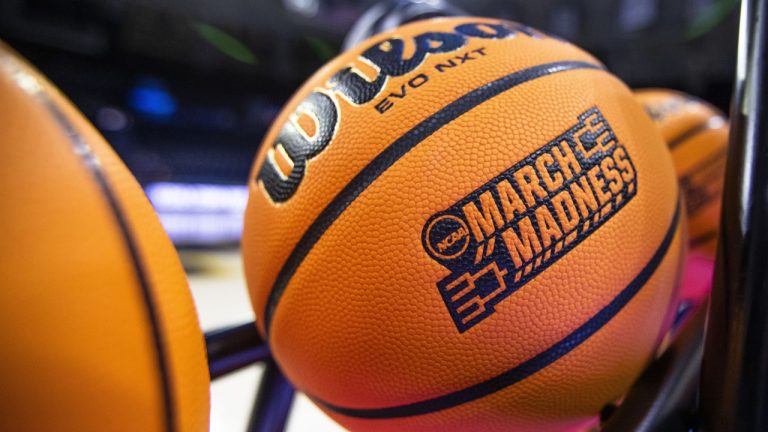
x=447 y=237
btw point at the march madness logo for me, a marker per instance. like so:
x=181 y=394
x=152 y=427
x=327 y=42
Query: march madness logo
x=512 y=228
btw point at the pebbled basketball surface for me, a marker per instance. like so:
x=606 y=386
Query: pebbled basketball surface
x=697 y=135
x=358 y=298
x=98 y=328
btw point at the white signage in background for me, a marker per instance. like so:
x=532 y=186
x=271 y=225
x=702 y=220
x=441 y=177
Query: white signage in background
x=198 y=214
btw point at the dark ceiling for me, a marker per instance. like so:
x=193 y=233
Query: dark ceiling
x=222 y=69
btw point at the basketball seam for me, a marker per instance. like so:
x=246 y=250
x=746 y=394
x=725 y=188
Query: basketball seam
x=532 y=365
x=703 y=238
x=394 y=152
x=93 y=165
x=689 y=133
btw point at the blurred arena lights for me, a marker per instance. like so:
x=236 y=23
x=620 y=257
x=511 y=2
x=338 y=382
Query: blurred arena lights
x=307 y=8
x=150 y=97
x=199 y=214
x=111 y=119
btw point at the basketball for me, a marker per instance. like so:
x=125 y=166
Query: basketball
x=697 y=135
x=463 y=224
x=98 y=327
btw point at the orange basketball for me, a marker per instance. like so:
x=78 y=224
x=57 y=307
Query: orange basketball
x=98 y=327
x=697 y=135
x=462 y=224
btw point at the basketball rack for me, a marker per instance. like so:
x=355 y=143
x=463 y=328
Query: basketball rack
x=714 y=376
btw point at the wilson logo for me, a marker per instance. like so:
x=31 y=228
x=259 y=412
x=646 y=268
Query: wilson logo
x=505 y=233
x=313 y=124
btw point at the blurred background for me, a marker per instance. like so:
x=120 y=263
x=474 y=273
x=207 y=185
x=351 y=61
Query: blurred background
x=185 y=89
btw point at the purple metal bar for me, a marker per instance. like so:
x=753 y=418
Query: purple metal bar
x=234 y=348
x=273 y=401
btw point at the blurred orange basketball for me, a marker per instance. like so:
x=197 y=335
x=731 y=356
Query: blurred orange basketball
x=697 y=135
x=462 y=224
x=97 y=324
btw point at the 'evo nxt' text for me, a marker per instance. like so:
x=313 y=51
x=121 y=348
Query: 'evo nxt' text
x=282 y=170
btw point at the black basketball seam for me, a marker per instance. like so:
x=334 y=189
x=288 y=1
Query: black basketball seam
x=703 y=238
x=532 y=365
x=689 y=133
x=693 y=207
x=92 y=163
x=391 y=154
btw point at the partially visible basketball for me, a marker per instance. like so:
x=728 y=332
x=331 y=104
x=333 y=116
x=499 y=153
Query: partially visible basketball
x=463 y=224
x=697 y=135
x=98 y=329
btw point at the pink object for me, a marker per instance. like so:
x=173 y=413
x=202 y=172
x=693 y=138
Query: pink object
x=695 y=287
x=697 y=279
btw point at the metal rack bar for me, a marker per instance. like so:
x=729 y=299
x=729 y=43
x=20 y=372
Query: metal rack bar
x=234 y=348
x=734 y=381
x=273 y=401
